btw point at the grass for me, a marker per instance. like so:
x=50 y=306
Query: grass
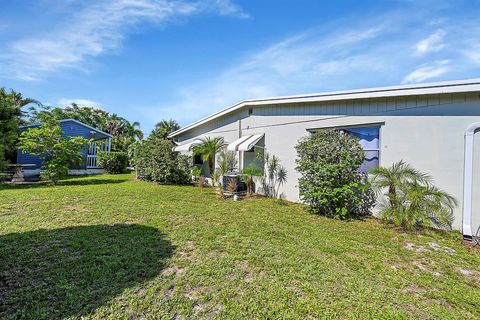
x=111 y=247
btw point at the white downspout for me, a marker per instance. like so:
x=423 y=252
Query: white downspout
x=240 y=153
x=468 y=181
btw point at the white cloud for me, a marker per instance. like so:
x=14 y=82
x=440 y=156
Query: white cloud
x=432 y=43
x=368 y=55
x=80 y=102
x=473 y=54
x=308 y=62
x=228 y=8
x=427 y=71
x=97 y=28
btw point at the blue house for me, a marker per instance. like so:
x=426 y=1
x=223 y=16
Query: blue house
x=72 y=128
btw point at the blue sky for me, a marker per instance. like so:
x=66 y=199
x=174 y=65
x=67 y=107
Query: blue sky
x=149 y=60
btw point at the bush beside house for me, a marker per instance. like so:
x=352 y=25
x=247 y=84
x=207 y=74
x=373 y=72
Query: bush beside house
x=155 y=160
x=330 y=182
x=113 y=162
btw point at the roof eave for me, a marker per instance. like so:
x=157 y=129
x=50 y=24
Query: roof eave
x=379 y=92
x=76 y=121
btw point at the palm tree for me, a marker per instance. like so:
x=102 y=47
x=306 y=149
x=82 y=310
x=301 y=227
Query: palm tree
x=116 y=126
x=422 y=206
x=412 y=201
x=249 y=172
x=393 y=178
x=165 y=127
x=208 y=148
x=20 y=101
x=134 y=130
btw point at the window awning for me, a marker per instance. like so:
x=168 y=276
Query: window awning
x=186 y=147
x=245 y=143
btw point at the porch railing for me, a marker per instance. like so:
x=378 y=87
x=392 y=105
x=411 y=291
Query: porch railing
x=101 y=145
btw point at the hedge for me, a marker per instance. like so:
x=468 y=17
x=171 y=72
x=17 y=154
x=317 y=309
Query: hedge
x=112 y=162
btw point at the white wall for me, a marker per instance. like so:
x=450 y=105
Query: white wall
x=425 y=131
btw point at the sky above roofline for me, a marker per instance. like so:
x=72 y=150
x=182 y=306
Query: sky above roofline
x=149 y=60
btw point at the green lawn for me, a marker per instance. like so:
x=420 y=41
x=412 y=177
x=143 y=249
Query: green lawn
x=111 y=247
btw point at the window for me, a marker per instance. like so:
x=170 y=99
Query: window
x=370 y=140
x=197 y=159
x=250 y=111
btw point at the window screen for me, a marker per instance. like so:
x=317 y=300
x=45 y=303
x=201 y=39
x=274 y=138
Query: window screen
x=370 y=140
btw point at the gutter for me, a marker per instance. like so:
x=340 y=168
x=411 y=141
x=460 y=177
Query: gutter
x=468 y=181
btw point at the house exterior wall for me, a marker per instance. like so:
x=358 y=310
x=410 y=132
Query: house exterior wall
x=70 y=129
x=426 y=131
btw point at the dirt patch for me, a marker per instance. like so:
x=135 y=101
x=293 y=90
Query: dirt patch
x=422 y=265
x=189 y=253
x=248 y=274
x=432 y=246
x=470 y=275
x=417 y=248
x=190 y=245
x=77 y=208
x=207 y=309
x=298 y=291
x=174 y=270
x=414 y=289
x=197 y=292
x=437 y=247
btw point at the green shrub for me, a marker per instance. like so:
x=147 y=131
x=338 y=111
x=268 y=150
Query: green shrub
x=112 y=162
x=155 y=160
x=330 y=182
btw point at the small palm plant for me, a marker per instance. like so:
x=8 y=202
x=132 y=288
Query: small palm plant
x=275 y=176
x=196 y=173
x=393 y=178
x=249 y=172
x=227 y=162
x=208 y=149
x=427 y=205
x=411 y=200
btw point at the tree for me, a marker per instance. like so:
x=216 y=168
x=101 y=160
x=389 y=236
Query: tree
x=134 y=130
x=411 y=201
x=155 y=160
x=11 y=104
x=165 y=127
x=58 y=152
x=330 y=181
x=208 y=148
x=21 y=101
x=124 y=132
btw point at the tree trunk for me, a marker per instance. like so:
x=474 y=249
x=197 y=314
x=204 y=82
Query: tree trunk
x=211 y=166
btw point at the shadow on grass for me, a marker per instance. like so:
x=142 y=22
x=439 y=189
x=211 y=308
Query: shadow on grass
x=66 y=182
x=53 y=274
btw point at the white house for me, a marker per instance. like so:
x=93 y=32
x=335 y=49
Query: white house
x=431 y=126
